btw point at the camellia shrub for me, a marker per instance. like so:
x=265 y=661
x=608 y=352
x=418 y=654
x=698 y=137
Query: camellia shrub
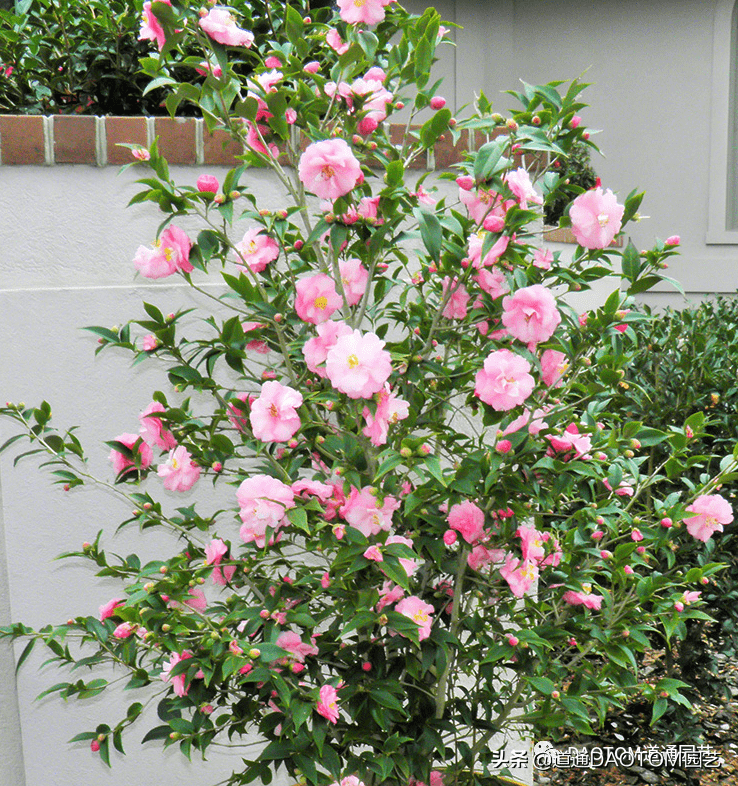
x=437 y=530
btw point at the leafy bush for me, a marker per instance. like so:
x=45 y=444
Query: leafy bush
x=70 y=57
x=687 y=365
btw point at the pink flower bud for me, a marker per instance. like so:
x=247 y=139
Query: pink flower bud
x=598 y=535
x=705 y=580
x=264 y=614
x=575 y=121
x=217 y=466
x=273 y=62
x=437 y=102
x=636 y=535
x=312 y=67
x=503 y=446
x=641 y=549
x=679 y=606
x=366 y=666
x=605 y=554
x=627 y=569
x=296 y=668
x=513 y=640
x=208 y=183
x=325 y=580
x=465 y=182
x=449 y=537
x=399 y=105
x=94 y=746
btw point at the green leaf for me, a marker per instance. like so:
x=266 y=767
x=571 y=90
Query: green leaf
x=434 y=127
x=26 y=652
x=431 y=232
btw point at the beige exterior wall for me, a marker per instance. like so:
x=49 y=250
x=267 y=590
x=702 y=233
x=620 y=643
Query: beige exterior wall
x=660 y=92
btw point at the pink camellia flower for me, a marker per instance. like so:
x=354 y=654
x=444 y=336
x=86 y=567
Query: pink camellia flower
x=196 y=600
x=151 y=29
x=571 y=440
x=108 y=609
x=152 y=429
x=257 y=250
x=273 y=415
x=354 y=277
x=390 y=410
x=327 y=705
x=368 y=12
x=313 y=66
x=221 y=26
x=530 y=314
x=596 y=217
x=481 y=557
x=178 y=681
x=124 y=630
x=295 y=646
x=553 y=367
x=419 y=612
x=329 y=169
x=468 y=520
x=476 y=243
x=214 y=553
x=672 y=240
x=150 y=343
x=531 y=544
x=363 y=511
x=335 y=42
x=207 y=183
x=519 y=183
x=437 y=102
x=358 y=365
x=316 y=349
x=690 y=597
x=180 y=472
x=712 y=512
x=374 y=553
x=264 y=501
x=519 y=575
x=171 y=252
x=493 y=282
x=316 y=298
x=542 y=258
x=121 y=462
x=483 y=204
x=455 y=308
x=206 y=68
x=636 y=535
x=585 y=598
x=389 y=593
x=141 y=154
x=504 y=381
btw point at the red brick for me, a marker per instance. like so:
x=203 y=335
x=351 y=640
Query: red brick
x=74 y=139
x=131 y=130
x=177 y=139
x=220 y=148
x=22 y=139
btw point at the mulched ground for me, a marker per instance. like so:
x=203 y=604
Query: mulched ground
x=717 y=718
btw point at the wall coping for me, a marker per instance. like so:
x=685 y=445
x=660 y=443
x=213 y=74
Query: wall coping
x=41 y=140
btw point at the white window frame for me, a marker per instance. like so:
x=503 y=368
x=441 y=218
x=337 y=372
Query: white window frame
x=723 y=130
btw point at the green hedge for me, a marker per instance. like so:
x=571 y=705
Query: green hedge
x=69 y=56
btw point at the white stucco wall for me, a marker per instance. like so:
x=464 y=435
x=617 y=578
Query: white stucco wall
x=652 y=67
